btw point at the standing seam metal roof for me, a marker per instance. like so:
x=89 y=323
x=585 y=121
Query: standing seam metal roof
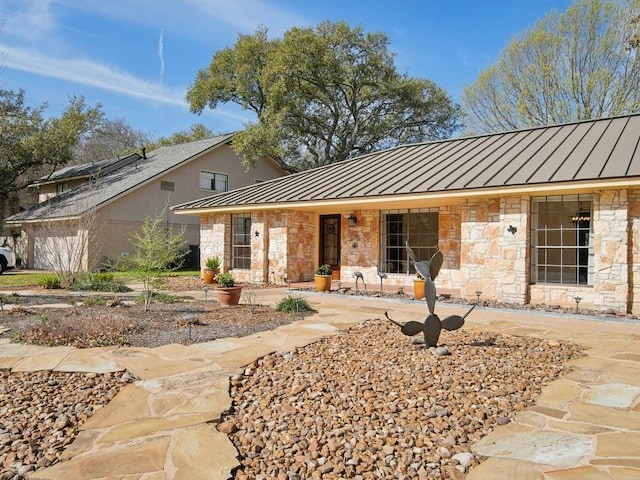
x=588 y=150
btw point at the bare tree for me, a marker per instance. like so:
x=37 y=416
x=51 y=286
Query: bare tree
x=66 y=245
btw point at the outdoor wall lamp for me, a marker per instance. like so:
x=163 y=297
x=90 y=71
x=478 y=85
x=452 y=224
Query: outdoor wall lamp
x=353 y=220
x=512 y=230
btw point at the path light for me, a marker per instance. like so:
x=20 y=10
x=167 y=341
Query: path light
x=577 y=299
x=358 y=275
x=478 y=293
x=206 y=290
x=289 y=287
x=382 y=277
x=191 y=320
x=340 y=287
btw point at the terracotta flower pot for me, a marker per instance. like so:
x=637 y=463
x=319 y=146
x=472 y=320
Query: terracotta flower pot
x=209 y=275
x=419 y=289
x=228 y=296
x=323 y=282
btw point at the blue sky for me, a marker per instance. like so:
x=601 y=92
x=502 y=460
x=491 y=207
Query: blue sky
x=138 y=57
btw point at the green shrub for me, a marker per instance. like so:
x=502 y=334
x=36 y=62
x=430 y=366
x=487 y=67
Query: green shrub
x=6 y=299
x=97 y=301
x=49 y=281
x=161 y=297
x=324 y=269
x=226 y=280
x=290 y=304
x=99 y=282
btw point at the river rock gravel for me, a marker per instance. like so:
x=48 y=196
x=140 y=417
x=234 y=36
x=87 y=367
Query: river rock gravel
x=371 y=403
x=40 y=414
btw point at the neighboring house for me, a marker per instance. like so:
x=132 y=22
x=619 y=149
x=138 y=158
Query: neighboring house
x=102 y=203
x=543 y=215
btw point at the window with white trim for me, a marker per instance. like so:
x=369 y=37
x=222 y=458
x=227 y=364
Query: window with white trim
x=417 y=226
x=241 y=240
x=562 y=239
x=215 y=182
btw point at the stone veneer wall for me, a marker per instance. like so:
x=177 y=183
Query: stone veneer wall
x=633 y=253
x=361 y=247
x=214 y=231
x=301 y=238
x=449 y=242
x=276 y=230
x=493 y=260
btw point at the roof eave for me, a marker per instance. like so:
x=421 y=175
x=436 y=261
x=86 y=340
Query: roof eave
x=398 y=201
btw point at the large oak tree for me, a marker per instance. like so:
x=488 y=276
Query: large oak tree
x=321 y=95
x=32 y=145
x=576 y=65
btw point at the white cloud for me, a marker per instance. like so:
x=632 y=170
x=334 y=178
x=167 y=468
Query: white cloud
x=161 y=53
x=28 y=20
x=89 y=73
x=246 y=15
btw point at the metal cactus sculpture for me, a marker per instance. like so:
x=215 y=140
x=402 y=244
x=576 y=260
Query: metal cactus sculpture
x=432 y=325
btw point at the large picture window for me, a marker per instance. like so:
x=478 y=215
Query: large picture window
x=419 y=227
x=241 y=240
x=218 y=182
x=562 y=239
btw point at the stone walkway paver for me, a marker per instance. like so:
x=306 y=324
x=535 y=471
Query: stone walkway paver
x=584 y=426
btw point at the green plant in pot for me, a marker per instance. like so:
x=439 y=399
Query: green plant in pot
x=211 y=269
x=322 y=278
x=227 y=291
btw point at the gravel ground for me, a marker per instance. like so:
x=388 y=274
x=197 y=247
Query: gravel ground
x=41 y=412
x=364 y=404
x=371 y=404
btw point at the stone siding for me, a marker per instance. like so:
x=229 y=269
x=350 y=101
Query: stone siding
x=485 y=243
x=493 y=260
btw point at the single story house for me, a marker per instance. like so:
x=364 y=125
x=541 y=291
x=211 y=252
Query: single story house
x=543 y=215
x=88 y=212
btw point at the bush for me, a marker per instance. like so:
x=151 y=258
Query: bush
x=49 y=281
x=324 y=269
x=226 y=280
x=290 y=304
x=6 y=299
x=161 y=297
x=99 y=282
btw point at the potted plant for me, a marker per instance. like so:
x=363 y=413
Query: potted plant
x=419 y=287
x=323 y=278
x=211 y=269
x=227 y=291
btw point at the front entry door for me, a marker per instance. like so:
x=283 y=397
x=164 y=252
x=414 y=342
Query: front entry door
x=330 y=241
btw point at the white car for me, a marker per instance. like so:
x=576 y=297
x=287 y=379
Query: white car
x=7 y=259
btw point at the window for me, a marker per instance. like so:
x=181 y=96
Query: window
x=218 y=182
x=241 y=240
x=61 y=188
x=167 y=186
x=561 y=239
x=419 y=227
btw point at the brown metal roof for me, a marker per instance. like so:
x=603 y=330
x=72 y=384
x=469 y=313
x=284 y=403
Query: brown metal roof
x=581 y=151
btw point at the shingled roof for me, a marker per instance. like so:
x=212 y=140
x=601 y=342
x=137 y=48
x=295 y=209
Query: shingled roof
x=574 y=152
x=78 y=200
